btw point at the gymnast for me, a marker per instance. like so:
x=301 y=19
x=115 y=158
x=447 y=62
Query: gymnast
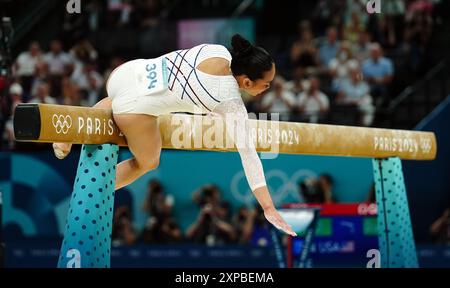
x=205 y=78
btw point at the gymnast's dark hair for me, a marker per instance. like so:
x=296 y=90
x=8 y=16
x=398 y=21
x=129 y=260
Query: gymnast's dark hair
x=249 y=60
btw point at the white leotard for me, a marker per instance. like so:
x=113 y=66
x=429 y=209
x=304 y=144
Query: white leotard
x=189 y=90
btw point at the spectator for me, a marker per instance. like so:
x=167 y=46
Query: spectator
x=340 y=66
x=119 y=11
x=58 y=62
x=40 y=76
x=15 y=95
x=157 y=204
x=326 y=186
x=95 y=15
x=25 y=67
x=70 y=93
x=319 y=190
x=43 y=95
x=379 y=72
x=162 y=231
x=296 y=84
x=208 y=194
x=279 y=100
x=303 y=52
x=82 y=53
x=328 y=50
x=252 y=227
x=123 y=232
x=90 y=82
x=161 y=226
x=312 y=103
x=361 y=49
x=355 y=91
x=355 y=6
x=440 y=229
x=211 y=227
x=353 y=27
x=260 y=230
x=223 y=211
x=243 y=223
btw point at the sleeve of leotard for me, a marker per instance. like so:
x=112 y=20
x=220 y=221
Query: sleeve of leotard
x=236 y=119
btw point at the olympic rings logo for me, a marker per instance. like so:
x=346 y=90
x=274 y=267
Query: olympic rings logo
x=62 y=123
x=279 y=183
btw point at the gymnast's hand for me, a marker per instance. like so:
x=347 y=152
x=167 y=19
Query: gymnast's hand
x=275 y=218
x=62 y=150
x=263 y=196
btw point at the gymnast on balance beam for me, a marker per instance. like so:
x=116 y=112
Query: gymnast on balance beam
x=205 y=78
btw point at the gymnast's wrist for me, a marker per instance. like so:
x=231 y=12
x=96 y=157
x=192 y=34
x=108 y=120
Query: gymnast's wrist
x=258 y=186
x=268 y=207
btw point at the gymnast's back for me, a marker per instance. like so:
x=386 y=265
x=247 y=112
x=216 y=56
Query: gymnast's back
x=204 y=90
x=172 y=83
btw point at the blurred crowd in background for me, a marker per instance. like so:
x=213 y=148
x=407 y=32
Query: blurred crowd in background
x=341 y=63
x=217 y=223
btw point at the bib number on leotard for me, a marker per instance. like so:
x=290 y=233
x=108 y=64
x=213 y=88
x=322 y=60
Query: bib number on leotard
x=152 y=76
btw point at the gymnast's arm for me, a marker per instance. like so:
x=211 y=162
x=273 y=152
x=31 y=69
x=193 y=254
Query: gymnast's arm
x=236 y=119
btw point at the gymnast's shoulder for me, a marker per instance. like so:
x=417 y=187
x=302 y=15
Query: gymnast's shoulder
x=214 y=50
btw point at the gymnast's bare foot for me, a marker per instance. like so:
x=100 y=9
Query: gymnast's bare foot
x=62 y=149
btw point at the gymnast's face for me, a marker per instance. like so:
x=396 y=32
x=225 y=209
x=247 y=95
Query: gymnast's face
x=258 y=86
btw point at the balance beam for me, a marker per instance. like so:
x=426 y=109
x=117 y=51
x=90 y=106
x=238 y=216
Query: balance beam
x=85 y=125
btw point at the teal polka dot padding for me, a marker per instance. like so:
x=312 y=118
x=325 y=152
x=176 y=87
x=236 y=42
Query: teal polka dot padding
x=395 y=236
x=87 y=236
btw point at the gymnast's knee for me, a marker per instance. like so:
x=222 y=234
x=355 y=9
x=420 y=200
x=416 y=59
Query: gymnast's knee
x=148 y=164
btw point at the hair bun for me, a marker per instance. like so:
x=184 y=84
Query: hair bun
x=241 y=46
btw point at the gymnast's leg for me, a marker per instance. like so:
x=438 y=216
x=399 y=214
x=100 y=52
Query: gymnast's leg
x=144 y=141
